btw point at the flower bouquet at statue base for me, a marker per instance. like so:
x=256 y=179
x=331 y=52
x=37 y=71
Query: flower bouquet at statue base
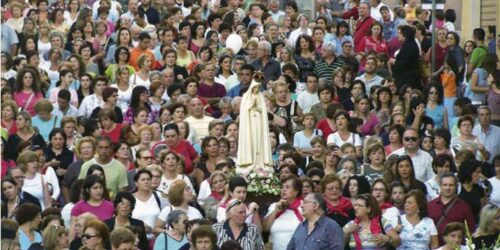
x=262 y=181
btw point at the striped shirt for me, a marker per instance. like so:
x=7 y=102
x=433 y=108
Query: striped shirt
x=325 y=70
x=249 y=238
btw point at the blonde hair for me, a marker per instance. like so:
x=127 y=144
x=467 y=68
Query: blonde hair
x=24 y=158
x=51 y=236
x=85 y=139
x=487 y=218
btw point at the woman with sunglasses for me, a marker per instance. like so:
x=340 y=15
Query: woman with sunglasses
x=95 y=235
x=369 y=230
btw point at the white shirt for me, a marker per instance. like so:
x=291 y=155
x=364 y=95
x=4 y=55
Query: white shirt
x=146 y=211
x=306 y=100
x=422 y=164
x=417 y=237
x=124 y=97
x=334 y=138
x=66 y=214
x=34 y=187
x=433 y=189
x=495 y=191
x=192 y=213
x=200 y=126
x=295 y=34
x=165 y=184
x=283 y=227
x=391 y=214
x=88 y=105
x=375 y=12
x=377 y=80
x=72 y=111
x=205 y=191
x=135 y=80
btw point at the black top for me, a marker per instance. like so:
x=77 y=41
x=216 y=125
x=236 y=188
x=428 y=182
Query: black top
x=14 y=141
x=341 y=219
x=483 y=242
x=407 y=67
x=65 y=157
x=473 y=198
x=143 y=240
x=24 y=197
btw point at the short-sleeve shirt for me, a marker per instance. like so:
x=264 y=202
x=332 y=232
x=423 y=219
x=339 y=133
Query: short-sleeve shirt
x=103 y=211
x=335 y=138
x=417 y=237
x=115 y=172
x=478 y=55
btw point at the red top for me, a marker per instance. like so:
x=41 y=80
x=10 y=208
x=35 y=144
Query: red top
x=12 y=130
x=325 y=128
x=369 y=43
x=362 y=28
x=114 y=134
x=458 y=213
x=188 y=153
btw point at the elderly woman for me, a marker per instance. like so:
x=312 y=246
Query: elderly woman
x=84 y=151
x=34 y=182
x=9 y=114
x=95 y=235
x=284 y=216
x=369 y=230
x=124 y=204
x=179 y=196
x=405 y=67
x=415 y=222
x=339 y=208
x=28 y=217
x=175 y=237
x=145 y=134
x=466 y=140
x=235 y=228
x=55 y=237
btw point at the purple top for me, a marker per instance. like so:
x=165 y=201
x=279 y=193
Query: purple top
x=494 y=102
x=103 y=212
x=216 y=90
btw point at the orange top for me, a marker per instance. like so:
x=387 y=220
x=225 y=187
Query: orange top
x=135 y=53
x=449 y=84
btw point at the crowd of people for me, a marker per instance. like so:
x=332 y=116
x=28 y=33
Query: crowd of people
x=120 y=124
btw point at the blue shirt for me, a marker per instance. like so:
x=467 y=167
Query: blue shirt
x=44 y=127
x=326 y=234
x=25 y=242
x=490 y=140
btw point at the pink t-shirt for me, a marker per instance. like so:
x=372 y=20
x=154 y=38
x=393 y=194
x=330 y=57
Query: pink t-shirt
x=22 y=98
x=103 y=211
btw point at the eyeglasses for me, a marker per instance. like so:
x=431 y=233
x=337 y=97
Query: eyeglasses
x=408 y=139
x=88 y=236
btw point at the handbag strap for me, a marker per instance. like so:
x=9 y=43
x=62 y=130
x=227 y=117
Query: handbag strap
x=28 y=101
x=445 y=212
x=55 y=121
x=166 y=241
